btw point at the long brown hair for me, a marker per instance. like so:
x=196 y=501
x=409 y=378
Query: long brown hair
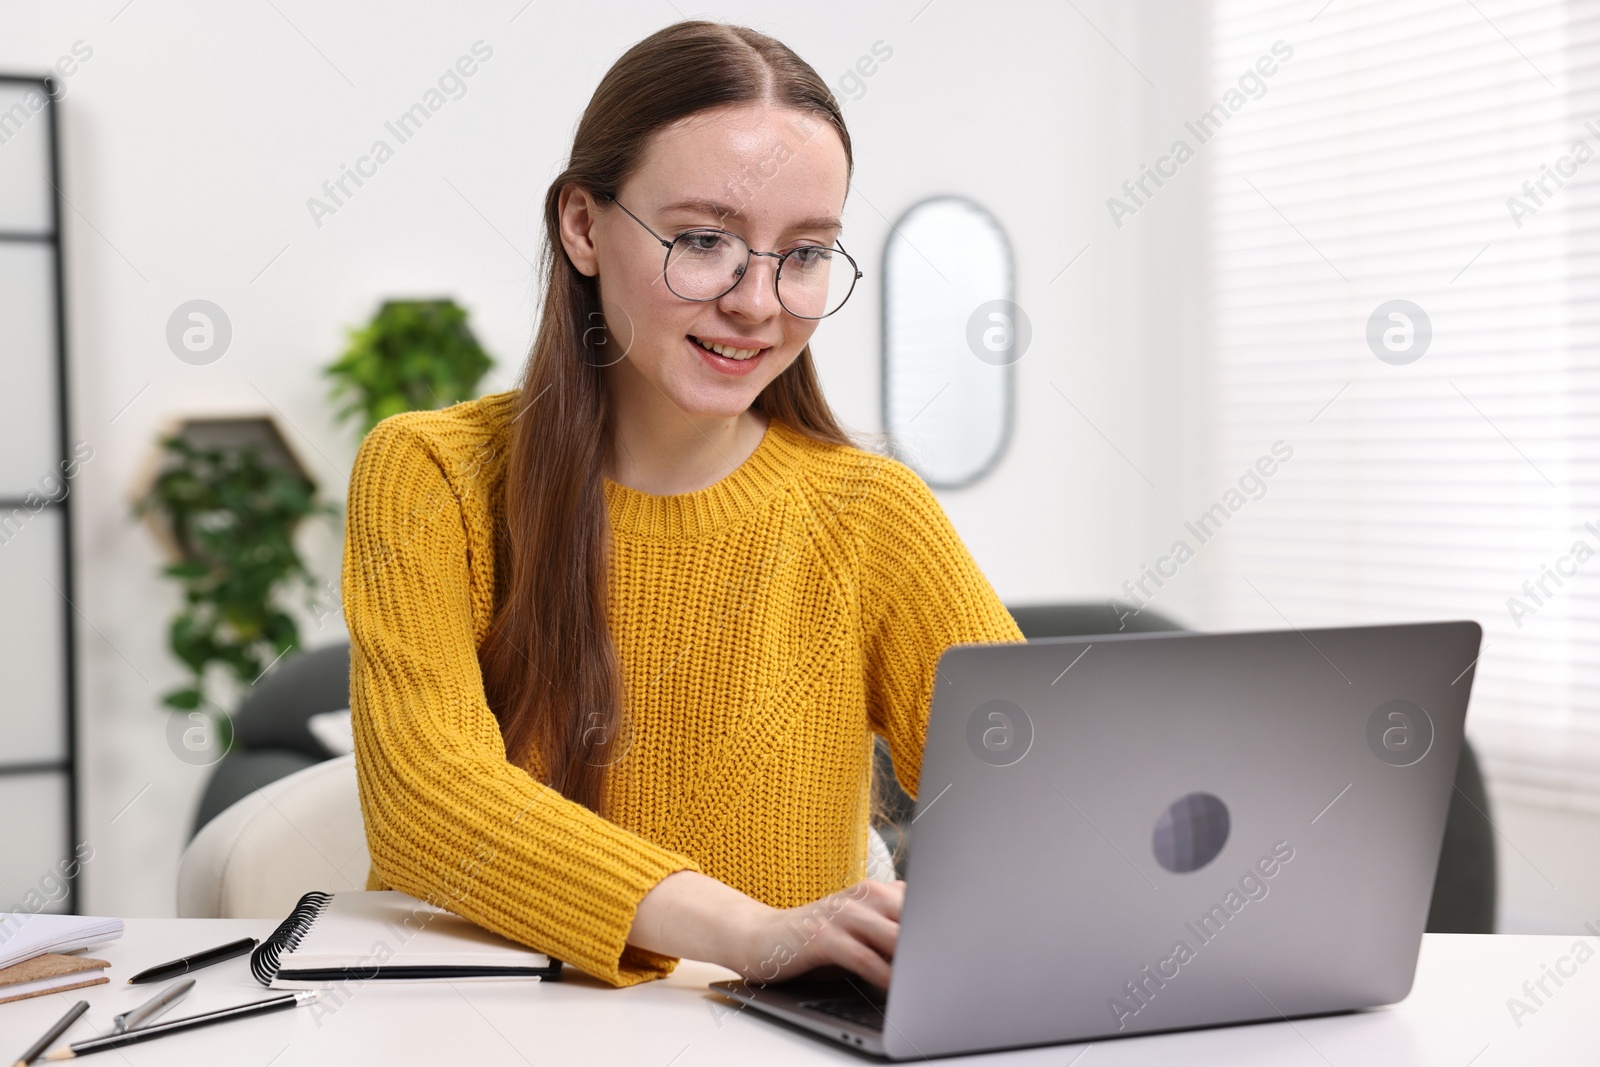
x=550 y=667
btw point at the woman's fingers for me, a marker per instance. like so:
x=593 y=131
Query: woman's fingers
x=863 y=960
x=856 y=928
x=888 y=898
x=885 y=898
x=864 y=931
x=866 y=962
x=876 y=930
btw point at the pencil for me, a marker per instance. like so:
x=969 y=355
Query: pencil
x=188 y=1022
x=54 y=1032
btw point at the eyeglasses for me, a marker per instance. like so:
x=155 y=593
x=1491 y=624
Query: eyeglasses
x=704 y=264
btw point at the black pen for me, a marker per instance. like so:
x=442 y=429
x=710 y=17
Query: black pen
x=193 y=963
x=188 y=1022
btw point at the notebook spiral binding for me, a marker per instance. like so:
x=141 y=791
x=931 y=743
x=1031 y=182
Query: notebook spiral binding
x=267 y=957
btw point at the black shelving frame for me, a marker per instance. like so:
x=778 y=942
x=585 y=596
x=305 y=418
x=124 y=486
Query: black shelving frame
x=64 y=507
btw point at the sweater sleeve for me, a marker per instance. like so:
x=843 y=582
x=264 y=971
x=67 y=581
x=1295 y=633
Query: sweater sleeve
x=448 y=817
x=921 y=593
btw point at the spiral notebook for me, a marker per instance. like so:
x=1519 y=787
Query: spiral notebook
x=333 y=938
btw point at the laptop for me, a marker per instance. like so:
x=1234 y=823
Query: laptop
x=1134 y=833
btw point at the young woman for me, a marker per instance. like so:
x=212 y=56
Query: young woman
x=621 y=637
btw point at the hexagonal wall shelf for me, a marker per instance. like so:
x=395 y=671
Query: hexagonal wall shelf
x=214 y=432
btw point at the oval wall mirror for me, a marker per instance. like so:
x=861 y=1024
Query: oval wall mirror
x=948 y=340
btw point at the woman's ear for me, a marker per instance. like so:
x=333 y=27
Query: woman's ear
x=577 y=212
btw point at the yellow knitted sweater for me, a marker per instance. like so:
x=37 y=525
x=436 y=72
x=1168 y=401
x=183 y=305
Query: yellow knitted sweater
x=767 y=626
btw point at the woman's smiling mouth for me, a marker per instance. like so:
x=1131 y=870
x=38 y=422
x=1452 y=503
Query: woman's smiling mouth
x=727 y=351
x=725 y=358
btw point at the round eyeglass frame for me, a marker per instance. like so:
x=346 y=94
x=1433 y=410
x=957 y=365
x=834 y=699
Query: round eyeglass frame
x=781 y=257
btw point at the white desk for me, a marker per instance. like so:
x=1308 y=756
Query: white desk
x=1456 y=1015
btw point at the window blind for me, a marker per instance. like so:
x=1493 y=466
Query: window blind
x=1446 y=154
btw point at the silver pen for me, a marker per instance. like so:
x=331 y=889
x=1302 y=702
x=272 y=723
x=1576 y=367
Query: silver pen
x=151 y=1008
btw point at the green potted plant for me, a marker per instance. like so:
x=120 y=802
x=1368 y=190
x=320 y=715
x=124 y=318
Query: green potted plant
x=414 y=354
x=228 y=516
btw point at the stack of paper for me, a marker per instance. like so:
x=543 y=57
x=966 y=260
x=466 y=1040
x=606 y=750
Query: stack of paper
x=24 y=935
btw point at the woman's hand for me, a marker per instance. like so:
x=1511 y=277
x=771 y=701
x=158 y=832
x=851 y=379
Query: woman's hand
x=855 y=928
x=691 y=915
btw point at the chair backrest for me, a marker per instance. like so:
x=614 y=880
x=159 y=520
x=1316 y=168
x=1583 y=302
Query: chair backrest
x=1087 y=618
x=259 y=856
x=274 y=711
x=271 y=738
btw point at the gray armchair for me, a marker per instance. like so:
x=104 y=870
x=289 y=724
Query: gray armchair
x=270 y=736
x=1465 y=886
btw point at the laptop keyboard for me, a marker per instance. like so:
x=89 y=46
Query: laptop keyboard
x=857 y=1010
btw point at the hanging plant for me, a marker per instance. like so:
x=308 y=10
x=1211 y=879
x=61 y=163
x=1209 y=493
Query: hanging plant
x=413 y=355
x=231 y=517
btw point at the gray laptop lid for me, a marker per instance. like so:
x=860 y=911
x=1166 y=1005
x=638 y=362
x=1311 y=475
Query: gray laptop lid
x=1122 y=834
